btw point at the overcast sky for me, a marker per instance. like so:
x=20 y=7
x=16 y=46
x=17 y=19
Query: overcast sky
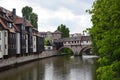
x=52 y=13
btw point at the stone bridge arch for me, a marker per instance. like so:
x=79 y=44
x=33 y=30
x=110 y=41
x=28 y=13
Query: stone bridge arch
x=76 y=44
x=77 y=50
x=85 y=48
x=65 y=47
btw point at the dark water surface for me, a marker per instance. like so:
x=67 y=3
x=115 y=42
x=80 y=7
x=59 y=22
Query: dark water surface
x=55 y=68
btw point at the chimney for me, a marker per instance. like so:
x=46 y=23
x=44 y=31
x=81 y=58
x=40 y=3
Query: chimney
x=14 y=12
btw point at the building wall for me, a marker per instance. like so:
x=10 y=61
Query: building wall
x=23 y=44
x=30 y=40
x=56 y=36
x=40 y=44
x=51 y=35
x=12 y=44
x=18 y=43
x=3 y=43
x=34 y=44
x=5 y=33
x=86 y=43
x=26 y=43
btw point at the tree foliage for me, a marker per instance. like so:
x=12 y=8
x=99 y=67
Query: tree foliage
x=66 y=51
x=34 y=20
x=47 y=41
x=105 y=35
x=30 y=15
x=65 y=31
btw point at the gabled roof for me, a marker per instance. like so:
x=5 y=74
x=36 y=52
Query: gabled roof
x=17 y=20
x=57 y=31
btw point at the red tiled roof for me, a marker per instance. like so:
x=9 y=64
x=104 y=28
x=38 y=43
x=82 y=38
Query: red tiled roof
x=13 y=29
x=28 y=24
x=19 y=20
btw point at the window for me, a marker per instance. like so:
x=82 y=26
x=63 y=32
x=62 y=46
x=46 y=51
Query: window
x=5 y=46
x=5 y=34
x=23 y=27
x=75 y=41
x=9 y=25
x=87 y=41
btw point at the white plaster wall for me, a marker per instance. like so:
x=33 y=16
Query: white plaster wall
x=18 y=43
x=26 y=43
x=1 y=44
x=5 y=42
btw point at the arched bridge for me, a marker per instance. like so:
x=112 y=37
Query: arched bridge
x=79 y=45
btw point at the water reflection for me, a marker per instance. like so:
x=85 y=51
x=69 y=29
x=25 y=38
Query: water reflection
x=57 y=68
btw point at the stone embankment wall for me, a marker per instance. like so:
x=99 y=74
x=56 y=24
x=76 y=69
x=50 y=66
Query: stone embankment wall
x=18 y=60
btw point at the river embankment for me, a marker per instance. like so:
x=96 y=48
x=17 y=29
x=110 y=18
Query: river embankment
x=16 y=61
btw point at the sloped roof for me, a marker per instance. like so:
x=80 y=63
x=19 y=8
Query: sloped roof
x=57 y=31
x=85 y=38
x=28 y=24
x=19 y=20
x=13 y=29
x=2 y=23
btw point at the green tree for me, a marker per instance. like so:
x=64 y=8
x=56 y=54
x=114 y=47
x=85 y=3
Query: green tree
x=28 y=13
x=34 y=20
x=65 y=31
x=105 y=34
x=46 y=41
x=66 y=51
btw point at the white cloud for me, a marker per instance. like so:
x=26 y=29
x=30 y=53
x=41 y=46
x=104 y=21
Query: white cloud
x=52 y=13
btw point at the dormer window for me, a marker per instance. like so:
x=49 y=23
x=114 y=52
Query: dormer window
x=23 y=27
x=9 y=25
x=3 y=15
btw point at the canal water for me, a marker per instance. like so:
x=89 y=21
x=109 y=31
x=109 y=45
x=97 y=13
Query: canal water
x=54 y=68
